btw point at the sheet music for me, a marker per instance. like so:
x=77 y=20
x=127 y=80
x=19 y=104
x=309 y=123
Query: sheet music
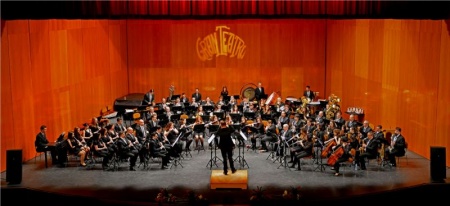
x=112 y=115
x=243 y=135
x=211 y=138
x=128 y=111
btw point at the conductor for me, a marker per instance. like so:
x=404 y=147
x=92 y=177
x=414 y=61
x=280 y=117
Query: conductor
x=226 y=146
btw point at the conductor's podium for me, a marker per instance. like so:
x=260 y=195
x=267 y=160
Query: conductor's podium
x=237 y=180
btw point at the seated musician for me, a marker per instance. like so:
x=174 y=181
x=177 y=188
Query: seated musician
x=295 y=147
x=296 y=124
x=94 y=126
x=120 y=125
x=171 y=133
x=126 y=149
x=258 y=125
x=232 y=102
x=305 y=149
x=198 y=135
x=270 y=135
x=208 y=102
x=182 y=127
x=158 y=150
x=76 y=148
x=164 y=103
x=142 y=151
x=369 y=150
x=331 y=143
x=346 y=155
x=235 y=109
x=41 y=143
x=183 y=98
x=101 y=150
x=194 y=102
x=279 y=105
x=350 y=123
x=153 y=122
x=397 y=147
x=228 y=120
x=339 y=120
x=221 y=101
x=200 y=111
x=320 y=118
x=282 y=120
x=112 y=132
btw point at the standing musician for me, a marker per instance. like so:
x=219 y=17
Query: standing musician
x=345 y=155
x=226 y=146
x=259 y=92
x=305 y=150
x=308 y=93
x=224 y=92
x=397 y=147
x=369 y=150
x=197 y=95
x=149 y=98
x=141 y=131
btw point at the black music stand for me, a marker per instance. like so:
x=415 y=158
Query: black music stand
x=177 y=109
x=236 y=117
x=205 y=118
x=190 y=110
x=225 y=107
x=250 y=115
x=241 y=108
x=239 y=158
x=226 y=99
x=208 y=108
x=283 y=162
x=163 y=120
x=187 y=151
x=266 y=117
x=220 y=115
x=175 y=118
x=236 y=96
x=175 y=97
x=177 y=158
x=200 y=128
x=190 y=121
x=213 y=129
x=251 y=131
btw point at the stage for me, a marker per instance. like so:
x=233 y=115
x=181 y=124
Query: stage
x=78 y=184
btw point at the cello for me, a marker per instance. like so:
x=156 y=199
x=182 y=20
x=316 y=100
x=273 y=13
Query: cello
x=328 y=147
x=337 y=153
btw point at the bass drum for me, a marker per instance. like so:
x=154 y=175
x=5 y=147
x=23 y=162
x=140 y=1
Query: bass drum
x=248 y=91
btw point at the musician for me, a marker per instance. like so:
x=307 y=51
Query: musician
x=149 y=98
x=282 y=120
x=330 y=129
x=309 y=126
x=112 y=132
x=79 y=137
x=171 y=133
x=397 y=147
x=288 y=110
x=259 y=126
x=208 y=102
x=232 y=102
x=139 y=146
x=221 y=101
x=331 y=143
x=308 y=93
x=127 y=149
x=296 y=124
x=270 y=134
x=235 y=109
x=295 y=146
x=226 y=146
x=245 y=104
x=101 y=150
x=305 y=150
x=164 y=104
x=76 y=148
x=346 y=156
x=178 y=103
x=120 y=126
x=141 y=131
x=94 y=126
x=218 y=108
x=365 y=129
x=198 y=134
x=285 y=136
x=194 y=102
x=339 y=120
x=182 y=127
x=259 y=92
x=183 y=98
x=379 y=135
x=251 y=108
x=41 y=143
x=228 y=120
x=320 y=118
x=279 y=105
x=197 y=95
x=351 y=122
x=153 y=122
x=87 y=131
x=168 y=113
x=266 y=110
x=158 y=150
x=200 y=111
x=224 y=92
x=370 y=150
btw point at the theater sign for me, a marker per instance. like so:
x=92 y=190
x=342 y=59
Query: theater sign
x=222 y=42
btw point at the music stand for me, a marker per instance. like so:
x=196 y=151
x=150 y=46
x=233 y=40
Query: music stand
x=220 y=115
x=249 y=115
x=213 y=129
x=226 y=99
x=251 y=130
x=236 y=96
x=175 y=118
x=159 y=112
x=174 y=97
x=241 y=160
x=186 y=135
x=163 y=120
x=283 y=162
x=205 y=118
x=225 y=107
x=190 y=109
x=177 y=109
x=266 y=117
x=208 y=108
x=236 y=117
x=190 y=121
x=176 y=159
x=240 y=108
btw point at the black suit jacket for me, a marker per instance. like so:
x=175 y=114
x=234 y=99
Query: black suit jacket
x=287 y=136
x=259 y=93
x=225 y=141
x=399 y=146
x=148 y=98
x=310 y=96
x=198 y=96
x=41 y=141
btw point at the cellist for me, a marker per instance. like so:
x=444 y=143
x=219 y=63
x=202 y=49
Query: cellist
x=342 y=154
